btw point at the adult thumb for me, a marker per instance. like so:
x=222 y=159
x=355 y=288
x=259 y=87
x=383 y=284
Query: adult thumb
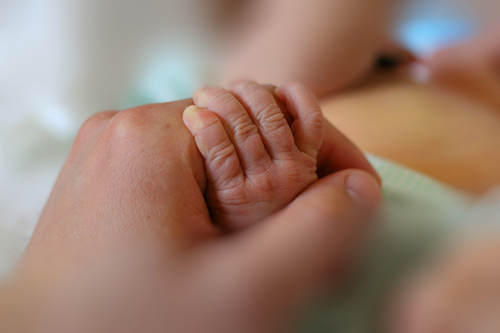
x=294 y=251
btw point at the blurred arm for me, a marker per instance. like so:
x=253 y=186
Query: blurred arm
x=323 y=43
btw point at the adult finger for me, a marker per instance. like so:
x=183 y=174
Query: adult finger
x=311 y=240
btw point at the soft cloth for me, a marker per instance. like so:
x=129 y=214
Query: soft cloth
x=418 y=216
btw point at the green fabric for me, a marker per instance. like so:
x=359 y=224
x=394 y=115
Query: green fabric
x=417 y=215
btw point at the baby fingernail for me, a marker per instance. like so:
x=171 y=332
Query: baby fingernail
x=191 y=119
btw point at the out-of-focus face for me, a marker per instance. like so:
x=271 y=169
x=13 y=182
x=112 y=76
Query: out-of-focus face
x=471 y=69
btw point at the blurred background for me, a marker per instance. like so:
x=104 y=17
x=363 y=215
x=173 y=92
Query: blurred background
x=63 y=60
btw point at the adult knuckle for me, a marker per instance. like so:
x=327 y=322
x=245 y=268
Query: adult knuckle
x=100 y=117
x=129 y=124
x=93 y=126
x=96 y=120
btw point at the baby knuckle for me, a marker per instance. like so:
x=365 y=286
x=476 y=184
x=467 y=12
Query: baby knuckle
x=221 y=151
x=245 y=87
x=315 y=111
x=317 y=120
x=221 y=98
x=209 y=124
x=241 y=84
x=299 y=89
x=314 y=119
x=271 y=118
x=244 y=127
x=209 y=94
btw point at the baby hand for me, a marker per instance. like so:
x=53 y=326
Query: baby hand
x=259 y=154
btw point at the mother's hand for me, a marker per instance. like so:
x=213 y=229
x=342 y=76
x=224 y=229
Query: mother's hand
x=137 y=175
x=251 y=282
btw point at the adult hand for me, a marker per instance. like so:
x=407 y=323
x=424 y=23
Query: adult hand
x=139 y=170
x=251 y=282
x=137 y=175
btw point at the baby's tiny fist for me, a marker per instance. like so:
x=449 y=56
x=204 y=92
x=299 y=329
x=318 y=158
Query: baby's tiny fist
x=256 y=163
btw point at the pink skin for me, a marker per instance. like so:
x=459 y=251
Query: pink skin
x=125 y=242
x=256 y=162
x=140 y=169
